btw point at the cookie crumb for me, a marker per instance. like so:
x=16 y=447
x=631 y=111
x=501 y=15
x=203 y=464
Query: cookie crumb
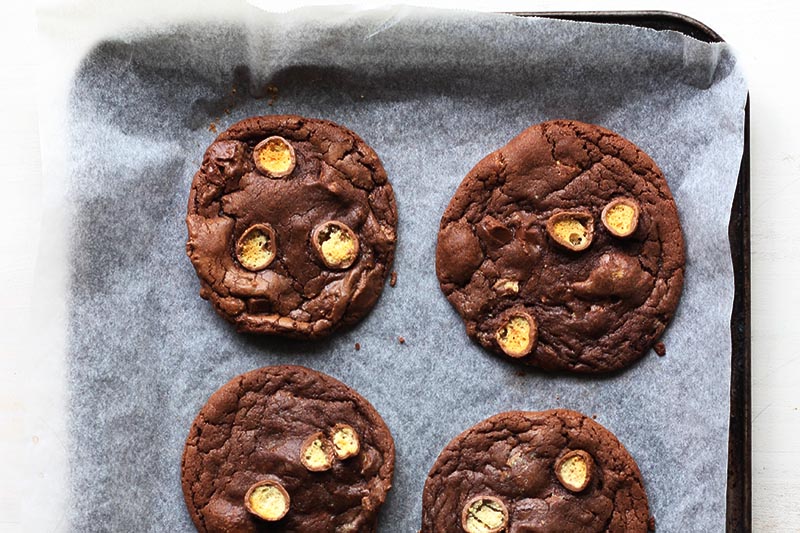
x=212 y=127
x=594 y=417
x=651 y=523
x=393 y=279
x=520 y=373
x=401 y=340
x=660 y=349
x=272 y=92
x=358 y=346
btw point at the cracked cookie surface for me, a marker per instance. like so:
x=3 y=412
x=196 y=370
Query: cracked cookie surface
x=511 y=457
x=331 y=175
x=252 y=431
x=597 y=307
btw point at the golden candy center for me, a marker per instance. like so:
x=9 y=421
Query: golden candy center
x=572 y=231
x=345 y=442
x=268 y=502
x=574 y=471
x=620 y=217
x=485 y=516
x=514 y=338
x=254 y=250
x=316 y=456
x=337 y=246
x=276 y=157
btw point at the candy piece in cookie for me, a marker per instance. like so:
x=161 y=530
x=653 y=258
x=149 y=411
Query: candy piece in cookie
x=316 y=453
x=574 y=470
x=572 y=230
x=336 y=244
x=274 y=157
x=345 y=441
x=621 y=217
x=267 y=500
x=517 y=334
x=484 y=514
x=255 y=249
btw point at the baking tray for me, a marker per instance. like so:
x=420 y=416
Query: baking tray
x=739 y=466
x=738 y=500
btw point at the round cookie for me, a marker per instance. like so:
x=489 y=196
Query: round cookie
x=292 y=226
x=285 y=448
x=563 y=250
x=521 y=472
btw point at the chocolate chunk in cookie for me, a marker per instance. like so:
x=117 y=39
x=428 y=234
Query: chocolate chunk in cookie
x=574 y=226
x=521 y=472
x=292 y=226
x=285 y=448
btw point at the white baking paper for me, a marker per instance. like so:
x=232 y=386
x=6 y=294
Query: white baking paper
x=128 y=100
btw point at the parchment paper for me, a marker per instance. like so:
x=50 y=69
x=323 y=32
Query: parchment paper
x=432 y=92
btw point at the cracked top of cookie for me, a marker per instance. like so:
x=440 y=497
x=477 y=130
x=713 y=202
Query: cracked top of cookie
x=523 y=472
x=263 y=431
x=292 y=226
x=573 y=228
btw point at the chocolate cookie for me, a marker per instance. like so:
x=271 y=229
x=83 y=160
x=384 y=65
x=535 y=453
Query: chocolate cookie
x=285 y=448
x=292 y=226
x=563 y=249
x=525 y=472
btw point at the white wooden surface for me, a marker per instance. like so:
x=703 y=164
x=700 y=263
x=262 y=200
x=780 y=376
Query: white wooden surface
x=767 y=37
